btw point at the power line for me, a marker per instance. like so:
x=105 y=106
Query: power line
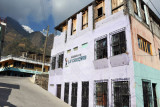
x=154 y=7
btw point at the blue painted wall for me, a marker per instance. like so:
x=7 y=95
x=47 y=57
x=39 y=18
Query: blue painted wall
x=142 y=71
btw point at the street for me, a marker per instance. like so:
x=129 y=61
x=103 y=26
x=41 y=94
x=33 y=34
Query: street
x=20 y=92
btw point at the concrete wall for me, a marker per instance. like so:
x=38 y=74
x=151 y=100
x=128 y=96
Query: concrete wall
x=85 y=70
x=140 y=55
x=148 y=73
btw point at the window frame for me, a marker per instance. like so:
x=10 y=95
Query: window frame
x=95 y=83
x=60 y=61
x=121 y=80
x=111 y=37
x=117 y=7
x=147 y=81
x=95 y=46
x=144 y=41
x=54 y=63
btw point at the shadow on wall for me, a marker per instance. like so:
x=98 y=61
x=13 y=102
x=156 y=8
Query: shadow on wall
x=5 y=91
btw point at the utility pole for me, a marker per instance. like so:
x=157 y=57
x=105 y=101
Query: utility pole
x=2 y=32
x=44 y=51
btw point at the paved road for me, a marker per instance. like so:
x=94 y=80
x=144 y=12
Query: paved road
x=20 y=92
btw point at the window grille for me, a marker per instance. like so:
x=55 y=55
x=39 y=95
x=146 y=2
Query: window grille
x=144 y=45
x=66 y=92
x=101 y=48
x=85 y=94
x=59 y=91
x=53 y=63
x=101 y=94
x=74 y=95
x=60 y=61
x=118 y=43
x=147 y=93
x=121 y=94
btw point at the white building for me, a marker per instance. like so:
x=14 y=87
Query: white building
x=92 y=58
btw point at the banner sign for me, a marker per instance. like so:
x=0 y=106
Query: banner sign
x=75 y=58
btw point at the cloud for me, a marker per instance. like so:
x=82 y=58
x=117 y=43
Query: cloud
x=39 y=10
x=21 y=10
x=27 y=28
x=62 y=9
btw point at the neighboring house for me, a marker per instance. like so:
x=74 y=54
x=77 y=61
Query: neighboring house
x=20 y=66
x=108 y=55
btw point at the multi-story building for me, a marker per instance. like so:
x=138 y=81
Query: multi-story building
x=22 y=66
x=108 y=55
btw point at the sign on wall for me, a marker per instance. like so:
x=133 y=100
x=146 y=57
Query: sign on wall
x=75 y=58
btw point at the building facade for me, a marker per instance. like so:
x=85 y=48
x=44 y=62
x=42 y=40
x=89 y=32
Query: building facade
x=107 y=55
x=22 y=66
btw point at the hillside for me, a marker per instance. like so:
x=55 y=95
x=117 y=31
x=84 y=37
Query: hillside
x=17 y=40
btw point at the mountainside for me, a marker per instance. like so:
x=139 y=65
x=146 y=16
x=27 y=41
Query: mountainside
x=17 y=40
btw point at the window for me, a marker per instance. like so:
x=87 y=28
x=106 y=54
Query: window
x=84 y=45
x=75 y=49
x=147 y=93
x=85 y=94
x=30 y=66
x=135 y=7
x=117 y=5
x=69 y=51
x=154 y=95
x=53 y=63
x=118 y=43
x=101 y=94
x=59 y=91
x=73 y=26
x=74 y=95
x=144 y=45
x=99 y=13
x=143 y=12
x=60 y=61
x=17 y=64
x=159 y=53
x=66 y=92
x=85 y=19
x=101 y=48
x=121 y=94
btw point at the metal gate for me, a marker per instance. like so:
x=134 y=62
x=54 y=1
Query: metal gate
x=121 y=94
x=101 y=94
x=74 y=95
x=66 y=92
x=147 y=94
x=85 y=94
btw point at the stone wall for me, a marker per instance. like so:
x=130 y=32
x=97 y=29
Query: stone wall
x=42 y=80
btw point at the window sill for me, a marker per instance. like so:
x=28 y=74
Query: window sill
x=119 y=60
x=100 y=63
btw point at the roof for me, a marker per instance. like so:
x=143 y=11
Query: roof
x=22 y=60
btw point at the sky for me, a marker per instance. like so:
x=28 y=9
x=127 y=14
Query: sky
x=36 y=15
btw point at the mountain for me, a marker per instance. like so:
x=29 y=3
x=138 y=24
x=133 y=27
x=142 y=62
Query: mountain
x=17 y=40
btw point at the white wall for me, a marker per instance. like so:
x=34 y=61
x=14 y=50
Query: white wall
x=84 y=70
